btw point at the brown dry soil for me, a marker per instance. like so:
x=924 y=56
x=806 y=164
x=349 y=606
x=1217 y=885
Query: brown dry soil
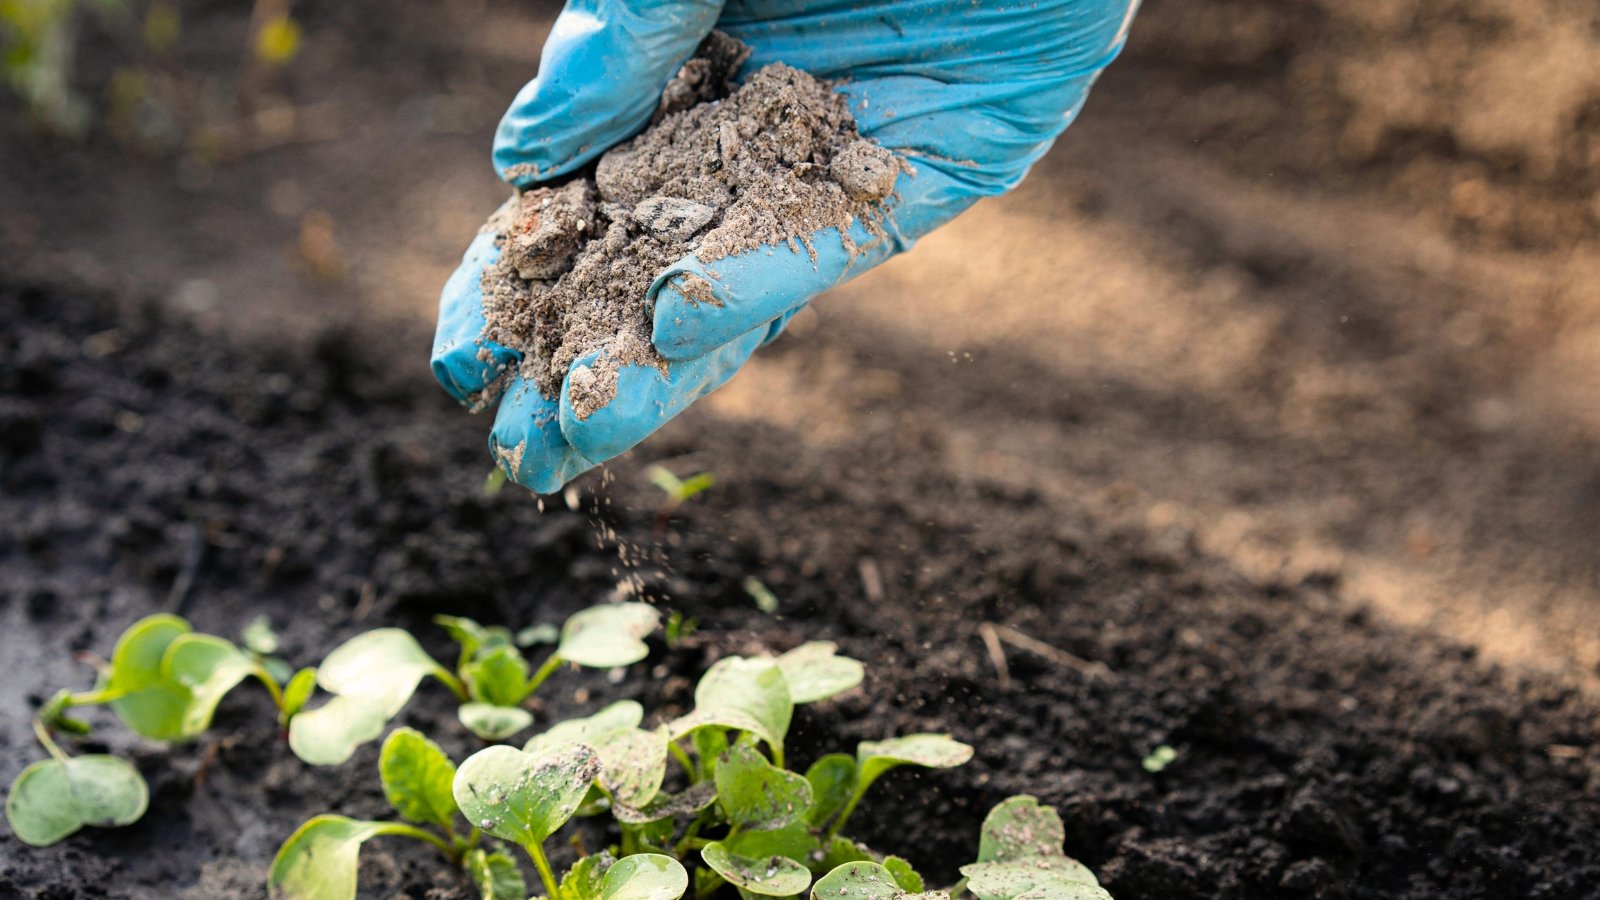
x=1288 y=415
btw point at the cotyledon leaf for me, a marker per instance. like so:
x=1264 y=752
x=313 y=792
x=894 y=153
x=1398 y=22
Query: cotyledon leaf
x=609 y=635
x=619 y=715
x=524 y=797
x=493 y=723
x=747 y=694
x=633 y=764
x=329 y=734
x=1019 y=827
x=417 y=778
x=298 y=690
x=690 y=801
x=584 y=879
x=815 y=671
x=644 y=876
x=147 y=703
x=498 y=676
x=833 y=779
x=772 y=876
x=904 y=874
x=1008 y=880
x=52 y=799
x=754 y=793
x=208 y=667
x=384 y=664
x=318 y=861
x=495 y=875
x=934 y=751
x=865 y=881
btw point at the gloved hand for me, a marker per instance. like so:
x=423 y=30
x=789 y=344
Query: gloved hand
x=971 y=93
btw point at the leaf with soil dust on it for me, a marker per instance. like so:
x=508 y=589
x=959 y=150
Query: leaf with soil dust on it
x=754 y=793
x=622 y=714
x=933 y=751
x=1020 y=827
x=493 y=723
x=51 y=799
x=833 y=780
x=633 y=763
x=866 y=881
x=495 y=875
x=1020 y=857
x=373 y=675
x=688 y=802
x=524 y=797
x=644 y=876
x=207 y=668
x=745 y=694
x=815 y=671
x=318 y=861
x=417 y=778
x=771 y=876
x=608 y=636
x=905 y=874
x=584 y=880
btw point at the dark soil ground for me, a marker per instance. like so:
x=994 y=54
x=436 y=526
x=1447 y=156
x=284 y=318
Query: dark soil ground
x=1287 y=415
x=1320 y=754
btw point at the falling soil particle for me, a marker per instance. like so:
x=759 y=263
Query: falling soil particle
x=720 y=171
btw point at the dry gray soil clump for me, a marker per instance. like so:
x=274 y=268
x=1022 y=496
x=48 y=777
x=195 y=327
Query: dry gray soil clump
x=721 y=170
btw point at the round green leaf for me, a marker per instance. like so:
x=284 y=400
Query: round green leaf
x=633 y=764
x=771 y=876
x=756 y=794
x=318 y=861
x=385 y=664
x=329 y=734
x=747 y=694
x=1018 y=828
x=208 y=667
x=905 y=874
x=524 y=797
x=604 y=637
x=148 y=705
x=52 y=799
x=935 y=751
x=258 y=636
x=619 y=715
x=498 y=676
x=495 y=875
x=493 y=723
x=866 y=881
x=1065 y=890
x=645 y=876
x=1008 y=880
x=833 y=779
x=417 y=778
x=298 y=690
x=815 y=672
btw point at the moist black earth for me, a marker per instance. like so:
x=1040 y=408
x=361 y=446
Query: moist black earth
x=147 y=466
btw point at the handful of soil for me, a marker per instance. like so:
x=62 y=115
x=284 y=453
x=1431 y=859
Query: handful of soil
x=718 y=172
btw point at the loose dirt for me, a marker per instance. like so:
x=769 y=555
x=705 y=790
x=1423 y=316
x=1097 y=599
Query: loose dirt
x=720 y=171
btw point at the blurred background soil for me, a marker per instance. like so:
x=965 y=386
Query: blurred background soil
x=1312 y=287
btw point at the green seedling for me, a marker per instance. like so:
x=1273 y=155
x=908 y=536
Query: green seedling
x=766 y=601
x=164 y=681
x=679 y=629
x=1020 y=857
x=678 y=490
x=1159 y=759
x=374 y=675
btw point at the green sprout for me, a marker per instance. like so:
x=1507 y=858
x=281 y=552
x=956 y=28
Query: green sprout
x=374 y=675
x=1159 y=759
x=766 y=601
x=678 y=490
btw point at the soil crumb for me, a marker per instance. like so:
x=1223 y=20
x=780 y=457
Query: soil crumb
x=721 y=170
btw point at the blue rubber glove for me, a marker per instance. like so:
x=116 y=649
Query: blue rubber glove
x=971 y=92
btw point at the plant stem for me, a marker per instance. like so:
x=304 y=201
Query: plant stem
x=777 y=754
x=92 y=698
x=536 y=850
x=844 y=815
x=452 y=682
x=43 y=735
x=545 y=671
x=682 y=756
x=401 y=829
x=273 y=688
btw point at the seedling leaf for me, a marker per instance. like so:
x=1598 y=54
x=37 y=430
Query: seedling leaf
x=866 y=881
x=815 y=672
x=329 y=734
x=747 y=694
x=608 y=636
x=298 y=690
x=258 y=636
x=771 y=876
x=909 y=879
x=498 y=676
x=619 y=715
x=493 y=723
x=1009 y=880
x=207 y=668
x=318 y=861
x=935 y=751
x=633 y=764
x=385 y=664
x=833 y=779
x=524 y=797
x=495 y=874
x=417 y=778
x=584 y=880
x=756 y=794
x=645 y=876
x=148 y=705
x=472 y=637
x=688 y=802
x=1019 y=828
x=841 y=850
x=52 y=799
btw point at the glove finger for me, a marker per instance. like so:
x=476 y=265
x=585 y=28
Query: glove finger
x=646 y=398
x=600 y=78
x=463 y=362
x=526 y=441
x=699 y=306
